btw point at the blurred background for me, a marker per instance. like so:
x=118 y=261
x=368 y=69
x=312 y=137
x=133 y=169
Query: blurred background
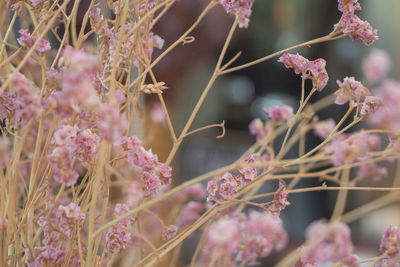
x=241 y=96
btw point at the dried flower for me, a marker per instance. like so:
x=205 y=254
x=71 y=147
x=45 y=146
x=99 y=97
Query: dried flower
x=376 y=65
x=350 y=89
x=280 y=113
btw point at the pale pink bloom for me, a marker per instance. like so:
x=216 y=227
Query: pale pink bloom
x=212 y=189
x=318 y=74
x=261 y=232
x=350 y=89
x=329 y=243
x=280 y=113
x=280 y=198
x=152 y=181
x=352 y=261
x=390 y=243
x=156 y=41
x=111 y=123
x=357 y=28
x=348 y=6
x=259 y=128
x=376 y=65
x=324 y=128
x=80 y=62
x=72 y=212
x=385 y=117
x=27 y=103
x=117 y=237
x=45 y=256
x=61 y=160
x=87 y=145
x=314 y=70
x=65 y=135
x=223 y=237
x=370 y=105
x=297 y=62
x=43 y=46
x=239 y=8
x=27 y=40
x=170 y=231
x=247 y=174
x=372 y=170
x=157 y=114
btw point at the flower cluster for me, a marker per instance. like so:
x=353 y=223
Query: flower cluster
x=259 y=128
x=314 y=70
x=347 y=149
x=239 y=8
x=154 y=174
x=27 y=40
x=225 y=186
x=327 y=243
x=352 y=90
x=280 y=201
x=245 y=238
x=352 y=25
x=390 y=246
x=376 y=66
x=280 y=113
x=57 y=227
x=324 y=128
x=72 y=143
x=118 y=236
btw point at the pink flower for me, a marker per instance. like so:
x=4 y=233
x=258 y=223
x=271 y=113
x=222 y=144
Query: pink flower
x=376 y=65
x=348 y=6
x=117 y=237
x=239 y=8
x=314 y=70
x=259 y=128
x=260 y=233
x=72 y=211
x=170 y=231
x=370 y=105
x=111 y=123
x=329 y=243
x=27 y=40
x=45 y=256
x=280 y=198
x=390 y=243
x=350 y=89
x=280 y=113
x=324 y=128
x=357 y=29
x=157 y=114
x=223 y=236
x=384 y=117
x=372 y=170
x=297 y=62
x=66 y=135
x=319 y=75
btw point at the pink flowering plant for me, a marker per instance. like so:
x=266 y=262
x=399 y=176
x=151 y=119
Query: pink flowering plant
x=79 y=187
